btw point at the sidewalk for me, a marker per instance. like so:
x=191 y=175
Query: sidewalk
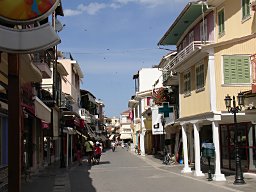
x=51 y=179
x=249 y=178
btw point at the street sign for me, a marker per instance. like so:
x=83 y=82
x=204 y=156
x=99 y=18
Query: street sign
x=165 y=109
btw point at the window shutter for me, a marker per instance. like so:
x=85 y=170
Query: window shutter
x=226 y=70
x=246 y=70
x=233 y=70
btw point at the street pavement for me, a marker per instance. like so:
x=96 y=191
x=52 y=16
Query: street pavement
x=124 y=171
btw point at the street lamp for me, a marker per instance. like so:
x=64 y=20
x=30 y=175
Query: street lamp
x=163 y=121
x=239 y=179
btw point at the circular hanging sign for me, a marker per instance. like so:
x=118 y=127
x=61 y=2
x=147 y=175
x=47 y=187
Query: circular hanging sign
x=26 y=11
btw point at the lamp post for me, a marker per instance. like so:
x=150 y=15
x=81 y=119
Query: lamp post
x=163 y=121
x=239 y=179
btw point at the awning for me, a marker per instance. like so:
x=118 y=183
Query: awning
x=69 y=130
x=16 y=40
x=81 y=134
x=71 y=118
x=41 y=110
x=126 y=136
x=90 y=131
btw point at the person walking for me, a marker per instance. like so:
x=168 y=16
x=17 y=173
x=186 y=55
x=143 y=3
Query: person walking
x=97 y=152
x=89 y=147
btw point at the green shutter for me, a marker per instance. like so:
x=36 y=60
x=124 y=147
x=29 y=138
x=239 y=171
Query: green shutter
x=226 y=70
x=246 y=70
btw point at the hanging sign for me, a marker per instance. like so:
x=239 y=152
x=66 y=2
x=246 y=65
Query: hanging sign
x=26 y=11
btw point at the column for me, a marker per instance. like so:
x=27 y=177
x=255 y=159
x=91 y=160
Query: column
x=142 y=142
x=143 y=131
x=14 y=123
x=215 y=134
x=186 y=168
x=191 y=144
x=198 y=171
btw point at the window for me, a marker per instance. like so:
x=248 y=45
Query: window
x=187 y=83
x=148 y=101
x=203 y=31
x=245 y=9
x=200 y=76
x=236 y=69
x=221 y=22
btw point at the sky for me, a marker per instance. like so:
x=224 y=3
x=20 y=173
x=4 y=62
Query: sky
x=112 y=40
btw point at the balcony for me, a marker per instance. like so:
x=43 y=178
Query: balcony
x=42 y=60
x=181 y=56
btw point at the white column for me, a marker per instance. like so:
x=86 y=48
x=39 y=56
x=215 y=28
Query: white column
x=198 y=171
x=250 y=139
x=143 y=131
x=212 y=81
x=191 y=144
x=186 y=168
x=142 y=142
x=67 y=150
x=216 y=140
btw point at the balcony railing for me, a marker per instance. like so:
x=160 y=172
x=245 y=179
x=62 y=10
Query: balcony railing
x=182 y=55
x=43 y=60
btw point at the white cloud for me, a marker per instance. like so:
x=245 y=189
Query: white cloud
x=151 y=3
x=90 y=9
x=94 y=7
x=71 y=12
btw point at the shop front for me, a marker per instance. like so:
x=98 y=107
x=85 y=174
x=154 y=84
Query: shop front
x=246 y=143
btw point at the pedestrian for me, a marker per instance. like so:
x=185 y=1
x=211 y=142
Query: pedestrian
x=89 y=147
x=97 y=152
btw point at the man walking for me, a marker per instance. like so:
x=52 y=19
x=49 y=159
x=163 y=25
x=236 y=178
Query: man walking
x=89 y=146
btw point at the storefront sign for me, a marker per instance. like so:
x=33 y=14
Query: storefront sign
x=26 y=11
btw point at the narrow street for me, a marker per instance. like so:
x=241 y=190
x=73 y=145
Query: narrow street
x=122 y=171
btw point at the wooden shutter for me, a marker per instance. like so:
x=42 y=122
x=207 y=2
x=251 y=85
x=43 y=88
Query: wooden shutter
x=226 y=70
x=246 y=69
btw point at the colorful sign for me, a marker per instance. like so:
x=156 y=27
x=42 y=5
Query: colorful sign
x=26 y=11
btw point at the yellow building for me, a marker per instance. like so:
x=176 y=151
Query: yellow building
x=213 y=61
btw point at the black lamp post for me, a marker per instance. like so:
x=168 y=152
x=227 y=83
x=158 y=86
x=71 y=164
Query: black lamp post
x=239 y=179
x=163 y=121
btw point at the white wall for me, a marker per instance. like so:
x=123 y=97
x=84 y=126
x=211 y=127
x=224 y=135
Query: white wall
x=148 y=77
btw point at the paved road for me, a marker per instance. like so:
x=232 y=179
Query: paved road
x=121 y=171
